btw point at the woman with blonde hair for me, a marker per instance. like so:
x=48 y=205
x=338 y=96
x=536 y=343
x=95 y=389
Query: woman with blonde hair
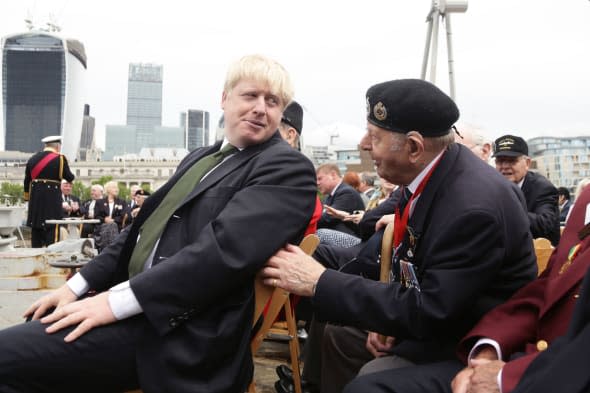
x=111 y=212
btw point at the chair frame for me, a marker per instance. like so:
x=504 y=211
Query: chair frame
x=279 y=300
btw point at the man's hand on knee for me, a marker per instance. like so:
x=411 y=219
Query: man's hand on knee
x=378 y=348
x=56 y=299
x=87 y=314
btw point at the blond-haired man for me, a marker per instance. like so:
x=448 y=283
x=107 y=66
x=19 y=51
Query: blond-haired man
x=178 y=314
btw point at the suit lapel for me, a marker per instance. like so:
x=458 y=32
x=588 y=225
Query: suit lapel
x=228 y=166
x=423 y=206
x=154 y=200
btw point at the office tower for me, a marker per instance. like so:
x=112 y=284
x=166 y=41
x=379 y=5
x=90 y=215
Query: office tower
x=196 y=129
x=87 y=150
x=119 y=140
x=42 y=91
x=563 y=160
x=144 y=101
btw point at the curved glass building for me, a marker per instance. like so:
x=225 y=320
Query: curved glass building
x=42 y=91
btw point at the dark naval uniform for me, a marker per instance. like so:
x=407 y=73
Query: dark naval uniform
x=43 y=176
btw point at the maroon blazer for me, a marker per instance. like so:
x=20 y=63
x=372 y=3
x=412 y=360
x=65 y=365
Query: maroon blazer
x=541 y=310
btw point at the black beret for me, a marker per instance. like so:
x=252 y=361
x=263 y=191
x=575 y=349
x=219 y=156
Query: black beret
x=142 y=192
x=510 y=146
x=406 y=105
x=293 y=116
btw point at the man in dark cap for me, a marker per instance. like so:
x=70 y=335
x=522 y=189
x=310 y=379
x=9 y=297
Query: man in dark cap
x=565 y=203
x=139 y=198
x=292 y=124
x=42 y=187
x=462 y=244
x=512 y=161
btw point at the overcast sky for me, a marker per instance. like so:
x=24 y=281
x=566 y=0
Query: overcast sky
x=521 y=66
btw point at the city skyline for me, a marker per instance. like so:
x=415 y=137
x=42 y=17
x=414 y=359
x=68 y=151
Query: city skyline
x=520 y=67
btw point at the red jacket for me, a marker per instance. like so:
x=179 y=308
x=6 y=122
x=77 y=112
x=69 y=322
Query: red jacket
x=540 y=311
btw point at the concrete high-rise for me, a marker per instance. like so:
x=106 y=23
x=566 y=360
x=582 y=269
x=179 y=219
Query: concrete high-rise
x=88 y=150
x=43 y=91
x=144 y=101
x=196 y=128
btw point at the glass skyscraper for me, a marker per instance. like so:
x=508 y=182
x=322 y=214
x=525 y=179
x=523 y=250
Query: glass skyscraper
x=144 y=101
x=196 y=126
x=42 y=91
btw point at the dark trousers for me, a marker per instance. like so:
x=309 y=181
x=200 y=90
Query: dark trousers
x=42 y=237
x=101 y=361
x=333 y=355
x=430 y=378
x=344 y=352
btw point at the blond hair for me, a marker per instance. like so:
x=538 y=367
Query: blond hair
x=261 y=69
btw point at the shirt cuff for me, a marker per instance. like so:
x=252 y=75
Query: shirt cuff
x=78 y=284
x=123 y=302
x=484 y=341
x=499 y=380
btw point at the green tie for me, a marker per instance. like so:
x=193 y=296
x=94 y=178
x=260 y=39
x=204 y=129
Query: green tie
x=154 y=225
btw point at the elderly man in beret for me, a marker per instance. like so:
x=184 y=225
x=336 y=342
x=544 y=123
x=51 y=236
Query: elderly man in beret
x=512 y=161
x=461 y=244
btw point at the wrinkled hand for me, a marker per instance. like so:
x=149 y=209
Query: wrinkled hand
x=484 y=353
x=383 y=221
x=376 y=347
x=485 y=376
x=293 y=270
x=340 y=214
x=58 y=298
x=460 y=383
x=87 y=314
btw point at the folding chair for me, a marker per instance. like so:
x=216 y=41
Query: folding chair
x=385 y=260
x=543 y=251
x=279 y=299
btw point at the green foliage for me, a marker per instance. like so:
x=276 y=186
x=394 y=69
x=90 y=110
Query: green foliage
x=80 y=190
x=11 y=193
x=124 y=192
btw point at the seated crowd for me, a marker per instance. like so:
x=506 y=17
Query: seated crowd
x=463 y=308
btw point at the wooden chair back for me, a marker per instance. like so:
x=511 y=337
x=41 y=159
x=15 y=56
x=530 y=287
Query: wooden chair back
x=279 y=299
x=385 y=260
x=543 y=251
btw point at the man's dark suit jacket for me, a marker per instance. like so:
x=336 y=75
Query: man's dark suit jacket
x=563 y=367
x=541 y=201
x=472 y=249
x=78 y=213
x=540 y=310
x=198 y=297
x=564 y=211
x=345 y=198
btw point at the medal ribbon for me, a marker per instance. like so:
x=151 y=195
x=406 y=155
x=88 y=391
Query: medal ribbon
x=570 y=257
